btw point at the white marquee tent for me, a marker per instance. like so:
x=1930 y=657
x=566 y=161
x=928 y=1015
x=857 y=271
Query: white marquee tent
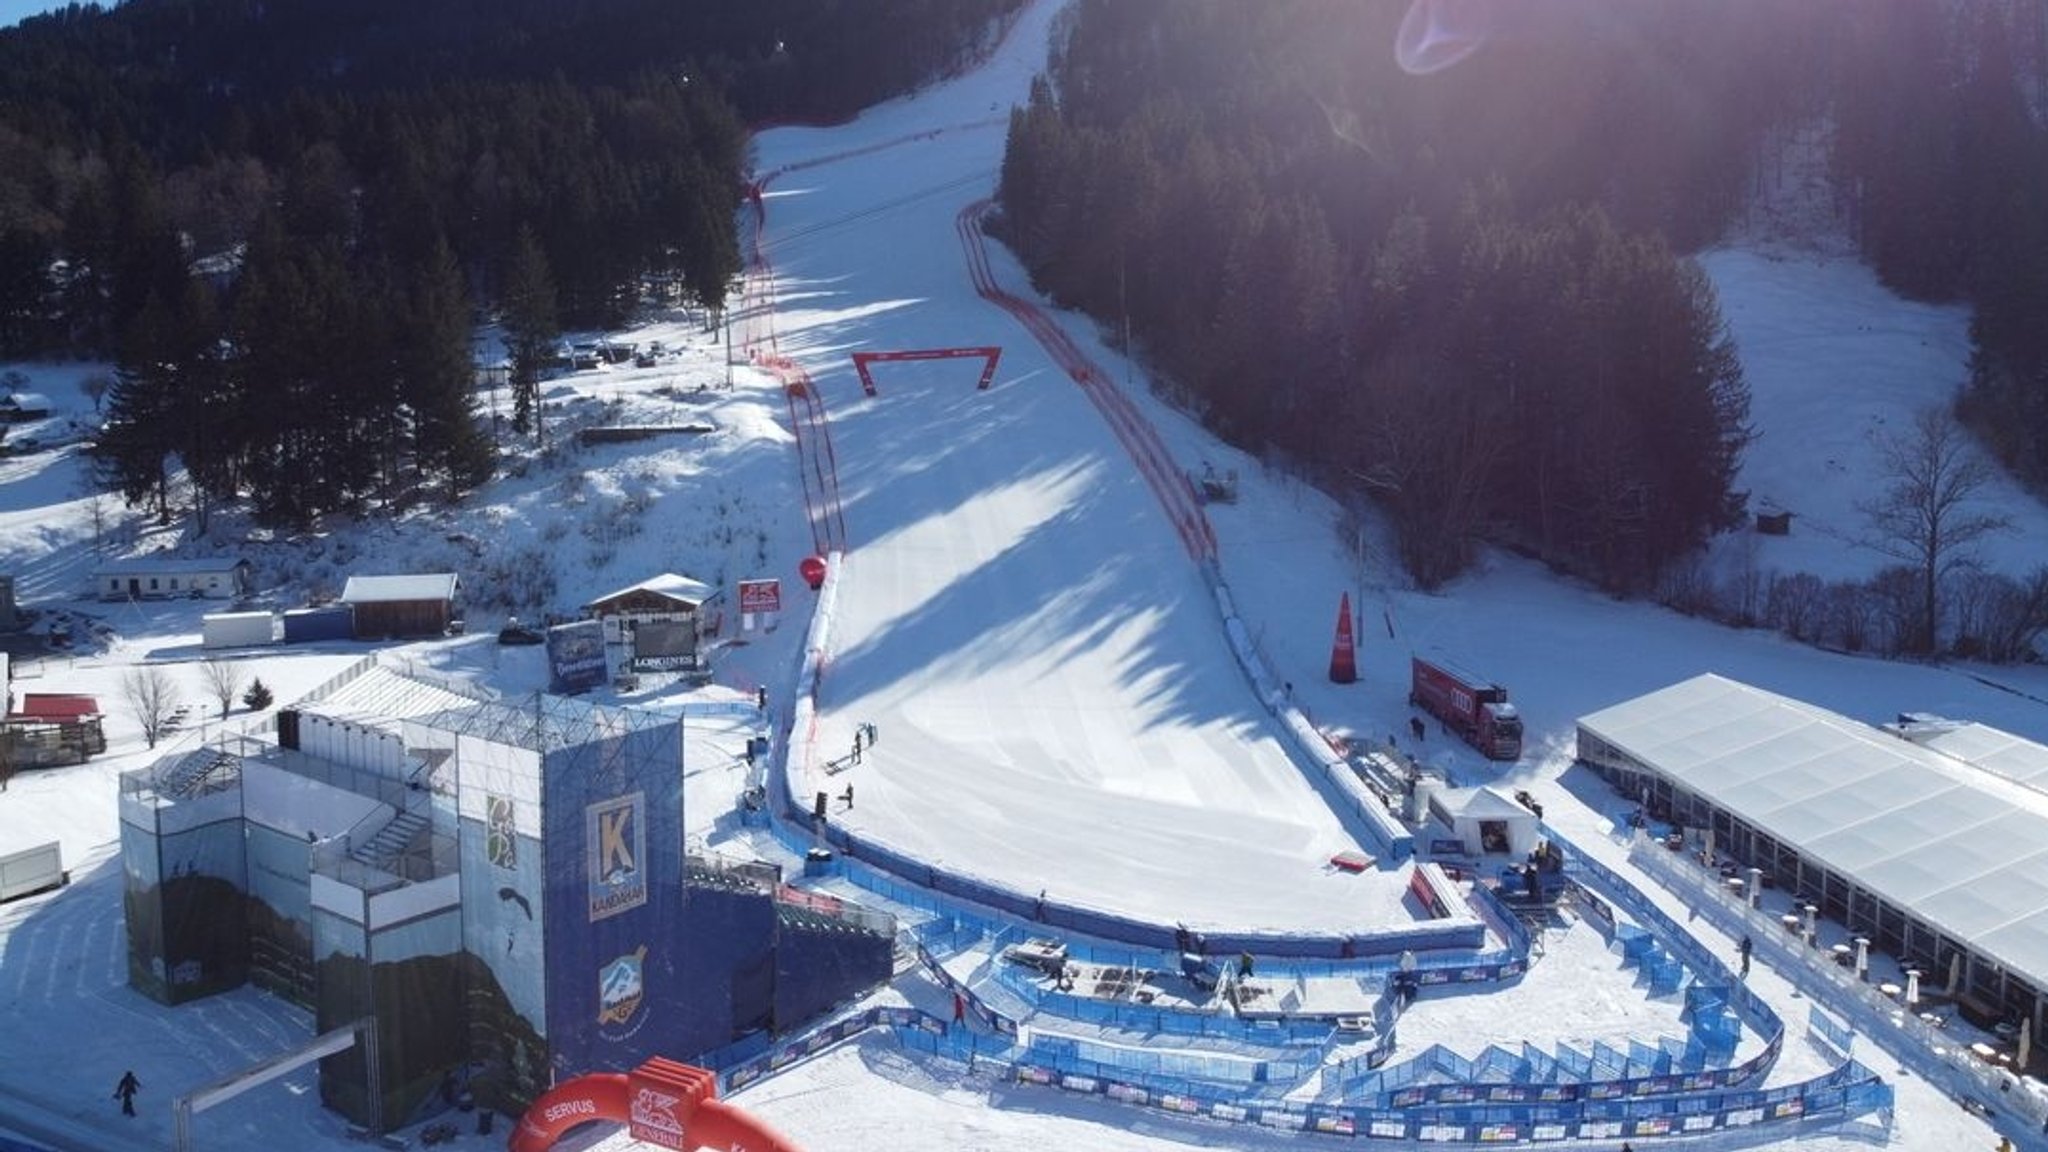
x=1913 y=834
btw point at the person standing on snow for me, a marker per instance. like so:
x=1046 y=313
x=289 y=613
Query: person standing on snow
x=125 y=1092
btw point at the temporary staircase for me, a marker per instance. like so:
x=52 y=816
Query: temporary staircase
x=197 y=772
x=388 y=848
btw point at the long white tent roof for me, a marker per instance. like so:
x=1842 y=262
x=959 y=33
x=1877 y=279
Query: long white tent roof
x=1960 y=848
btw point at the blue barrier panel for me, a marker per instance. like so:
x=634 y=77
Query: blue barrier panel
x=1830 y=1031
x=1666 y=975
x=1703 y=999
x=1646 y=1060
x=1497 y=1064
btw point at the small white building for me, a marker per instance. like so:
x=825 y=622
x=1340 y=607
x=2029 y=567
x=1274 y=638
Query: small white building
x=163 y=577
x=21 y=407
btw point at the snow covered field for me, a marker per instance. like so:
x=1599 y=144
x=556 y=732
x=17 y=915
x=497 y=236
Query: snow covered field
x=1054 y=701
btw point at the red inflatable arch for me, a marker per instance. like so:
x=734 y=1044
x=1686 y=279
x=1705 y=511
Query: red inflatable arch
x=663 y=1103
x=861 y=360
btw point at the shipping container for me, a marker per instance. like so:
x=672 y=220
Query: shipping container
x=238 y=629
x=32 y=870
x=306 y=625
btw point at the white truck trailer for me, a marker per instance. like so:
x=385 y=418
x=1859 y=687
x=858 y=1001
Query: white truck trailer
x=238 y=629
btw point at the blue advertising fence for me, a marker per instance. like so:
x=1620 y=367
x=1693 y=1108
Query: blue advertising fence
x=1489 y=1115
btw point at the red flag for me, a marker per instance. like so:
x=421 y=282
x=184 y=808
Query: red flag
x=1344 y=653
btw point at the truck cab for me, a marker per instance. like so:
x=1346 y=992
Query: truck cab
x=1500 y=734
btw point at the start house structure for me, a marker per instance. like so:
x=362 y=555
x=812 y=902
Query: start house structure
x=1931 y=838
x=501 y=884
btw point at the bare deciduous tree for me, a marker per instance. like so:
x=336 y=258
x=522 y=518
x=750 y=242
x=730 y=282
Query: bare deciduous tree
x=2007 y=617
x=1432 y=451
x=96 y=386
x=152 y=698
x=1924 y=516
x=1797 y=605
x=223 y=681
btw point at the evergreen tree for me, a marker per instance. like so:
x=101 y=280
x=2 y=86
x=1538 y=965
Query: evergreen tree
x=531 y=328
x=438 y=378
x=137 y=443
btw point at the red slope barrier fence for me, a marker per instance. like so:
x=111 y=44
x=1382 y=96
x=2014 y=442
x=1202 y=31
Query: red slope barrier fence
x=1175 y=492
x=817 y=462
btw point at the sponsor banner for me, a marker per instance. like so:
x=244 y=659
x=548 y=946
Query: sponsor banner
x=655 y=1117
x=760 y=596
x=576 y=657
x=501 y=834
x=615 y=840
x=621 y=989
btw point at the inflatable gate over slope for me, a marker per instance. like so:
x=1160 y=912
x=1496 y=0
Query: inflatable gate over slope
x=663 y=1103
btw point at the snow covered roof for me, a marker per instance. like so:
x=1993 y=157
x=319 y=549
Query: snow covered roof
x=682 y=588
x=379 y=696
x=1486 y=804
x=1958 y=847
x=2000 y=753
x=169 y=565
x=389 y=589
x=25 y=402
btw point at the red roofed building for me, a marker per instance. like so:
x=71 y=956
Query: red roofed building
x=53 y=728
x=57 y=706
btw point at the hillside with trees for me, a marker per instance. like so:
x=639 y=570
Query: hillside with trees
x=283 y=218
x=1431 y=253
